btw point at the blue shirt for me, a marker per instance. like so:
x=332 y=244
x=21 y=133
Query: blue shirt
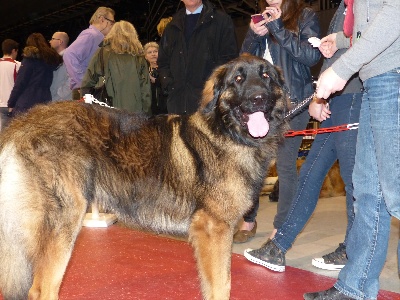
x=197 y=11
x=78 y=54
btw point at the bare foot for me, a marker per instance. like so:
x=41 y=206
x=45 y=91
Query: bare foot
x=273 y=233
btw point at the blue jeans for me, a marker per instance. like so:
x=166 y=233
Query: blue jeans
x=376 y=180
x=287 y=172
x=325 y=150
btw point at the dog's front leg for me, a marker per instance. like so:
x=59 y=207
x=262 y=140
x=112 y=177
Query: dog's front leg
x=212 y=242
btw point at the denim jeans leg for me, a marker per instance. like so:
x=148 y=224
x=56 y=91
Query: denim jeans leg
x=346 y=110
x=376 y=180
x=287 y=170
x=319 y=160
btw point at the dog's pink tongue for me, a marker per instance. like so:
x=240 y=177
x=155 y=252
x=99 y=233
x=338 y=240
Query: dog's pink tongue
x=258 y=126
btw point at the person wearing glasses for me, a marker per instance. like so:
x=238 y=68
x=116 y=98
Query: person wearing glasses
x=59 y=88
x=78 y=54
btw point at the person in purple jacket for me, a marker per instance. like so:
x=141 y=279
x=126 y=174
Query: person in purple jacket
x=78 y=54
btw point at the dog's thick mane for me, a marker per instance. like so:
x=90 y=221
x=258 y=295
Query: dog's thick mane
x=220 y=117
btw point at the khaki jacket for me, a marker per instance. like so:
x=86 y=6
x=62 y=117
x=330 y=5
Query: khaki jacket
x=127 y=80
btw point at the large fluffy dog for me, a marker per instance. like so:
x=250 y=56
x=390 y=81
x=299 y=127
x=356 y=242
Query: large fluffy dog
x=184 y=175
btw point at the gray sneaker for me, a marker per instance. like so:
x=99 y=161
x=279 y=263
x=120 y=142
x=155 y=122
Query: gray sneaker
x=331 y=294
x=333 y=261
x=269 y=256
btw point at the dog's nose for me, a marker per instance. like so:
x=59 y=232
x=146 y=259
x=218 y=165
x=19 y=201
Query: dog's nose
x=258 y=100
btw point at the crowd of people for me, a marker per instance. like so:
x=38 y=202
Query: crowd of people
x=359 y=82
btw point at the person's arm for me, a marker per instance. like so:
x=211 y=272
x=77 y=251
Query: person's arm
x=379 y=34
x=251 y=43
x=64 y=91
x=228 y=48
x=92 y=74
x=25 y=72
x=164 y=59
x=298 y=46
x=75 y=56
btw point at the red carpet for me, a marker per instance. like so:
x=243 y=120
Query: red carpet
x=122 y=264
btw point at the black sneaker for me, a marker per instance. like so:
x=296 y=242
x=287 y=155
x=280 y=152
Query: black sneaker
x=331 y=294
x=269 y=256
x=333 y=261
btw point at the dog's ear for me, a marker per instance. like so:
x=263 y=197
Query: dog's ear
x=212 y=89
x=276 y=75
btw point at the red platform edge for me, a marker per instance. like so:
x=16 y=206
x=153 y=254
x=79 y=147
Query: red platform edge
x=119 y=263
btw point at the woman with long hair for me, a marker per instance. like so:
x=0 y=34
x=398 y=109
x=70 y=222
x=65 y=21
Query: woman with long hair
x=281 y=36
x=35 y=75
x=125 y=69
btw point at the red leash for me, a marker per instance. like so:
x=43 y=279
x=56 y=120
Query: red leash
x=343 y=127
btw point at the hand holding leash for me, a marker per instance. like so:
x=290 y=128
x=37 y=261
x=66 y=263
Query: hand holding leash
x=319 y=110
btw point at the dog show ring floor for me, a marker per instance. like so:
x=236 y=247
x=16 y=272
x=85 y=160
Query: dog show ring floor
x=119 y=263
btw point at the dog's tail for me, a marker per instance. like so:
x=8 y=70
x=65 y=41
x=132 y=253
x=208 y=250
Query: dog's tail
x=15 y=274
x=15 y=267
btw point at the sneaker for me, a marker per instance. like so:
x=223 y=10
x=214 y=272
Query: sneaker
x=269 y=256
x=333 y=261
x=331 y=294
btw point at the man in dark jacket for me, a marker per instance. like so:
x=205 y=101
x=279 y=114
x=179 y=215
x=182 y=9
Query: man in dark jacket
x=198 y=39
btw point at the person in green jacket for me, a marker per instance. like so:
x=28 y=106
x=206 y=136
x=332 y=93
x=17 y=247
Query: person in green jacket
x=125 y=68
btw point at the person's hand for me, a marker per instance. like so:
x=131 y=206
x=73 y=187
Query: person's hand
x=328 y=83
x=274 y=13
x=319 y=110
x=259 y=28
x=328 y=45
x=152 y=79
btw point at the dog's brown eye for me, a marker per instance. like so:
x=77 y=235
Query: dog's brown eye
x=238 y=78
x=265 y=75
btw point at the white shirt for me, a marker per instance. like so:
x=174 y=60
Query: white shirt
x=7 y=78
x=267 y=54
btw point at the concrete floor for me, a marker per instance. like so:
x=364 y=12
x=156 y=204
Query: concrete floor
x=322 y=234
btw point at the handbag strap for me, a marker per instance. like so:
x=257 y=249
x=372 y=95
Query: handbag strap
x=102 y=61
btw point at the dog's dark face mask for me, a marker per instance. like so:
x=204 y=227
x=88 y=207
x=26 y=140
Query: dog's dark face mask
x=248 y=98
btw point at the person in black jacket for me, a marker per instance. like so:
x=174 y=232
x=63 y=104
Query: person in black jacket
x=158 y=99
x=198 y=39
x=281 y=37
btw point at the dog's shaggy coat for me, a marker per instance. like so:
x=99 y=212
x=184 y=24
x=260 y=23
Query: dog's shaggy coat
x=184 y=175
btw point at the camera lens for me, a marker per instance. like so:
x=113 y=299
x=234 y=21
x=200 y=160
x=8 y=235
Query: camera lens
x=154 y=73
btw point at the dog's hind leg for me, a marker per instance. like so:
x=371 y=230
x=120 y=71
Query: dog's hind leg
x=56 y=249
x=212 y=242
